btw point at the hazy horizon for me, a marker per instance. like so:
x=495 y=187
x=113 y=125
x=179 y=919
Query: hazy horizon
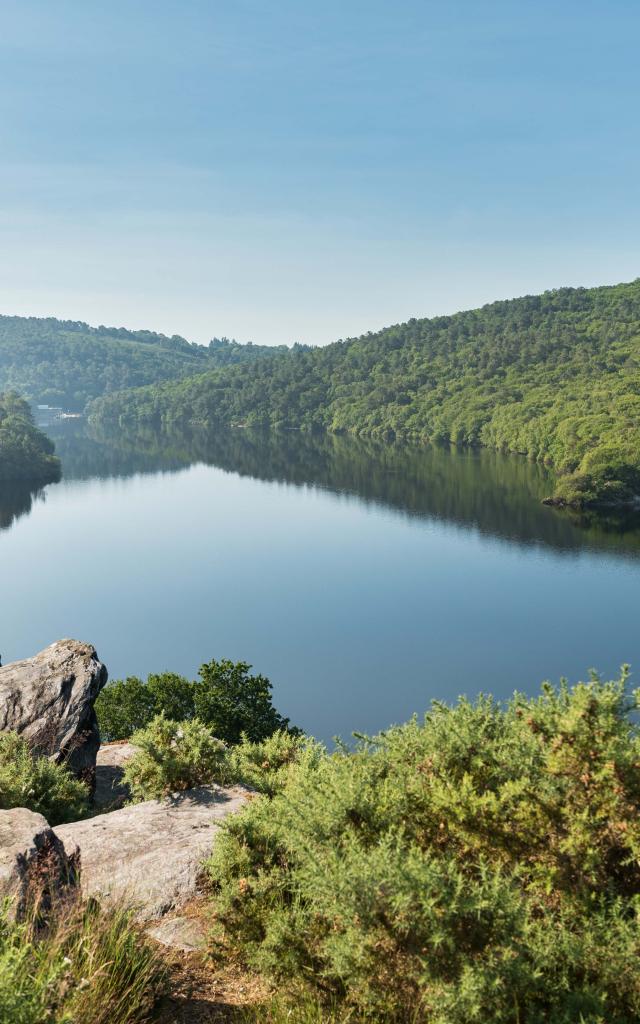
x=295 y=173
x=365 y=330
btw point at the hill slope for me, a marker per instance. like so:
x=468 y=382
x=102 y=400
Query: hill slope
x=555 y=377
x=67 y=363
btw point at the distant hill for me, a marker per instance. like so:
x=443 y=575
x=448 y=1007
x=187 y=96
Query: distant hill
x=67 y=363
x=554 y=376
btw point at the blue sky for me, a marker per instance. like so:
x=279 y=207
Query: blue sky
x=302 y=171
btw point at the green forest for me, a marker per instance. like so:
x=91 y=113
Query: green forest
x=25 y=452
x=555 y=377
x=67 y=363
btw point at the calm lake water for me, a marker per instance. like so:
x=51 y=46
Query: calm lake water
x=364 y=580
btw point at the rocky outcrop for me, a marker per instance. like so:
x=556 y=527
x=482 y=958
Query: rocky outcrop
x=150 y=854
x=111 y=792
x=34 y=866
x=49 y=700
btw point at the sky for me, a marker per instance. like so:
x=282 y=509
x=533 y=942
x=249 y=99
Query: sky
x=306 y=171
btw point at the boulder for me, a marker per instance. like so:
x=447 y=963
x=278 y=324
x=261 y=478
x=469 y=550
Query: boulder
x=34 y=866
x=49 y=699
x=111 y=792
x=150 y=854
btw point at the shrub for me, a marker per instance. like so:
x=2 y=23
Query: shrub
x=86 y=965
x=173 y=756
x=266 y=766
x=480 y=865
x=226 y=698
x=28 y=780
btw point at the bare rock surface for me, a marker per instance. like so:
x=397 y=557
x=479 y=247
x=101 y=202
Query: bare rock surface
x=33 y=861
x=112 y=758
x=186 y=934
x=150 y=854
x=49 y=700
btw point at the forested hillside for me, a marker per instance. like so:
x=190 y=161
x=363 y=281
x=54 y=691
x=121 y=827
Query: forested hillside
x=25 y=452
x=554 y=376
x=64 y=363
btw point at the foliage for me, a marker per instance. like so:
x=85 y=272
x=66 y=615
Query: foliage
x=86 y=965
x=554 y=376
x=28 y=780
x=481 y=864
x=173 y=756
x=226 y=698
x=234 y=703
x=25 y=452
x=265 y=766
x=125 y=705
x=67 y=363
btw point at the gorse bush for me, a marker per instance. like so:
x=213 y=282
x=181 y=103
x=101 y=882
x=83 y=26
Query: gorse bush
x=226 y=698
x=479 y=865
x=87 y=965
x=174 y=756
x=28 y=780
x=267 y=766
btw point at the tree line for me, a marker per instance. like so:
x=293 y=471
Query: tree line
x=26 y=454
x=68 y=363
x=555 y=377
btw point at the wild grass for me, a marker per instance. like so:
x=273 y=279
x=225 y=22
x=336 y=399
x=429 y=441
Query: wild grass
x=84 y=964
x=304 y=1009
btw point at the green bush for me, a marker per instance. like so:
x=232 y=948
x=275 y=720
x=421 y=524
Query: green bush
x=266 y=766
x=85 y=965
x=226 y=698
x=480 y=865
x=125 y=705
x=27 y=780
x=174 y=756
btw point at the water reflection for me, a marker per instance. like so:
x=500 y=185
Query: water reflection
x=497 y=495
x=16 y=499
x=364 y=579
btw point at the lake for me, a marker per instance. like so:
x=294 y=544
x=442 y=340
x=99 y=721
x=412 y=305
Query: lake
x=365 y=580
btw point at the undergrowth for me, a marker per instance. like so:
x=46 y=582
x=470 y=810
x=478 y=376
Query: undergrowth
x=34 y=781
x=482 y=864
